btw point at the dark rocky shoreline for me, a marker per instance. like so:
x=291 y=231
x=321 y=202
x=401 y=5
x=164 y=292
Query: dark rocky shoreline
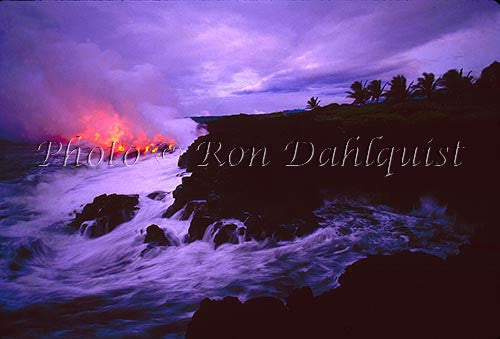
x=277 y=201
x=410 y=295
x=401 y=295
x=405 y=294
x=105 y=213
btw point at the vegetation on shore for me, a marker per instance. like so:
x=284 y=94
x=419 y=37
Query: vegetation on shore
x=453 y=85
x=455 y=297
x=454 y=96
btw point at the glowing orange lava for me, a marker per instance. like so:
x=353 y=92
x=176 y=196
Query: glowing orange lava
x=105 y=129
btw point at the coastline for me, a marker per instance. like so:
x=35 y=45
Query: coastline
x=467 y=190
x=250 y=170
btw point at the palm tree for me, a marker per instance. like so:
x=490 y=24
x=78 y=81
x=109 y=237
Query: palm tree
x=313 y=103
x=398 y=90
x=359 y=93
x=375 y=89
x=426 y=85
x=456 y=83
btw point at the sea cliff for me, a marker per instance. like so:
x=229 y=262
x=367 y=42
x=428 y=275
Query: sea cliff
x=415 y=291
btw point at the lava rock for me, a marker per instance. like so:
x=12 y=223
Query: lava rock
x=157 y=195
x=155 y=235
x=193 y=207
x=172 y=209
x=225 y=234
x=226 y=313
x=380 y=297
x=105 y=213
x=191 y=189
x=199 y=224
x=178 y=203
x=263 y=317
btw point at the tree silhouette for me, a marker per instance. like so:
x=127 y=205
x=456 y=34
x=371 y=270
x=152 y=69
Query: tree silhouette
x=456 y=84
x=313 y=103
x=359 y=93
x=375 y=89
x=398 y=90
x=426 y=85
x=490 y=77
x=488 y=84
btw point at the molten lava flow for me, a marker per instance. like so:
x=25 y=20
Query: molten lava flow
x=108 y=129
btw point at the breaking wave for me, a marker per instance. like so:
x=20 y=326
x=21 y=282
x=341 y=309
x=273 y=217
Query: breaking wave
x=104 y=286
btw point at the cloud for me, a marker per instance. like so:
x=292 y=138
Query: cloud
x=50 y=81
x=151 y=62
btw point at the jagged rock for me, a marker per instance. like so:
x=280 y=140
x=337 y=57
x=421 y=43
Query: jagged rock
x=105 y=213
x=198 y=226
x=229 y=318
x=157 y=195
x=227 y=312
x=172 y=209
x=380 y=296
x=225 y=234
x=191 y=189
x=254 y=224
x=279 y=193
x=178 y=202
x=193 y=207
x=155 y=235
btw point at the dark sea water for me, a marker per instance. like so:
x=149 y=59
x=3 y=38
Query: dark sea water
x=55 y=282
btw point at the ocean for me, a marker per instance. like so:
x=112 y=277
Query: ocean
x=57 y=282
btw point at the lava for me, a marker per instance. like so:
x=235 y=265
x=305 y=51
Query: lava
x=112 y=130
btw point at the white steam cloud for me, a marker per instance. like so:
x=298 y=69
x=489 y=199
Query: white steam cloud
x=49 y=82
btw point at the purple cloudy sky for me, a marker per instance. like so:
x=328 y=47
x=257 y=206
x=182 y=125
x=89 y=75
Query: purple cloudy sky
x=155 y=60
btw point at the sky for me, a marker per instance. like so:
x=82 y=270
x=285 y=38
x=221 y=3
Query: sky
x=150 y=62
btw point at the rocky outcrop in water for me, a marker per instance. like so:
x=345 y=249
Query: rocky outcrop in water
x=226 y=233
x=104 y=213
x=155 y=235
x=157 y=195
x=263 y=317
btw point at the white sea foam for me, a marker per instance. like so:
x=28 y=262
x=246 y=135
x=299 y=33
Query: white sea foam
x=66 y=265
